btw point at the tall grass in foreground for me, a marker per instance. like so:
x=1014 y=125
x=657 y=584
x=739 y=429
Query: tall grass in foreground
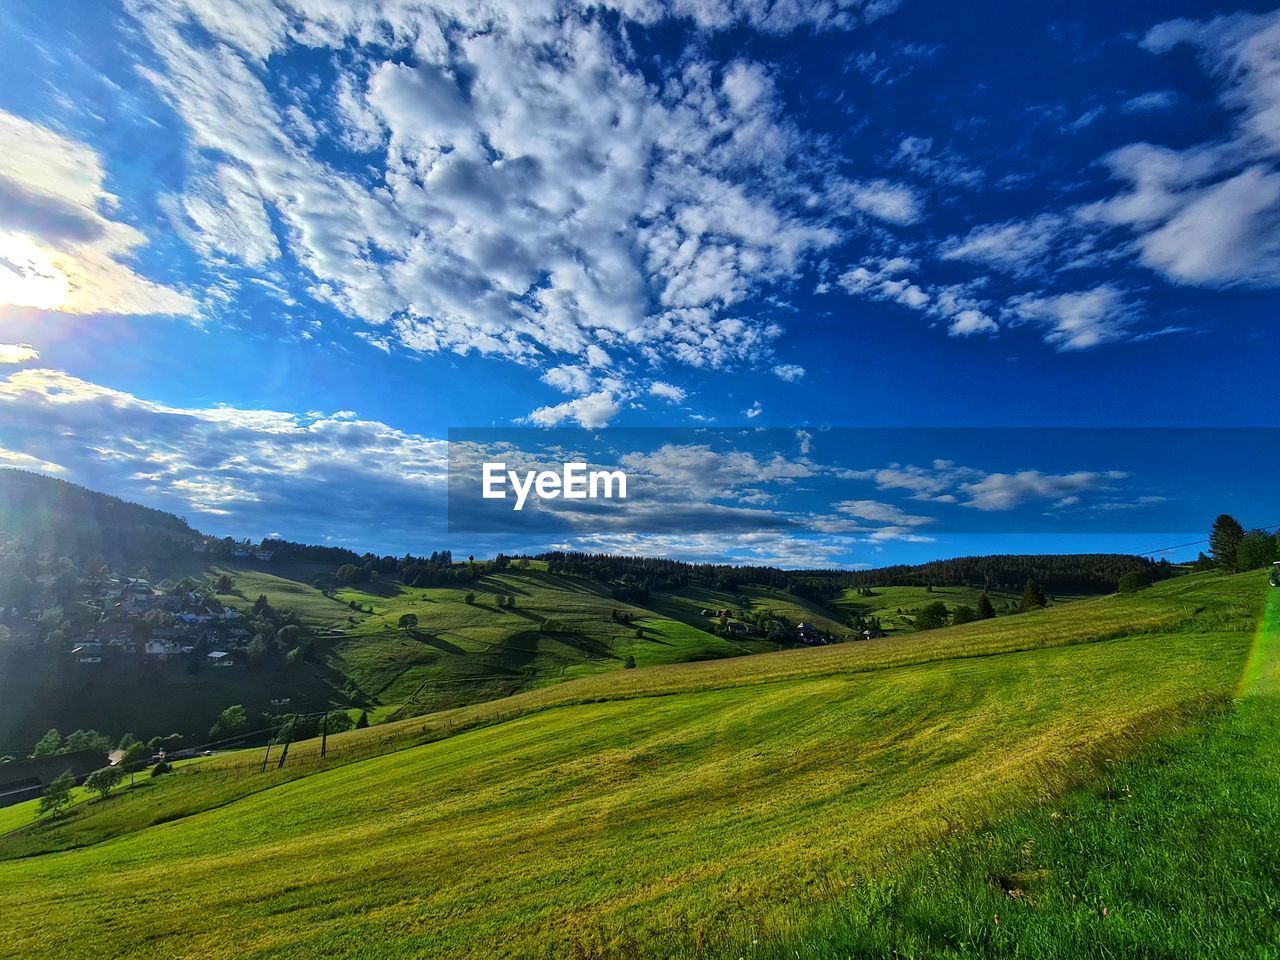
x=1174 y=853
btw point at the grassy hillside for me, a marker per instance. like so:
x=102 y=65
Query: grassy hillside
x=678 y=810
x=459 y=653
x=1166 y=854
x=53 y=516
x=462 y=652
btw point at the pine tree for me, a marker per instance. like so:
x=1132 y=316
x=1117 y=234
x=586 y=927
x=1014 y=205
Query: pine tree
x=1032 y=596
x=985 y=610
x=1224 y=541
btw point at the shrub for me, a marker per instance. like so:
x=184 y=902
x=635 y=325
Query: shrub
x=1131 y=582
x=103 y=781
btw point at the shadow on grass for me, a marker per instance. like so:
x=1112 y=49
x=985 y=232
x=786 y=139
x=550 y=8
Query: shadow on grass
x=434 y=640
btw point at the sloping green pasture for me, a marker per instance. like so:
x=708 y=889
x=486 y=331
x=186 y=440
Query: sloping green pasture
x=681 y=810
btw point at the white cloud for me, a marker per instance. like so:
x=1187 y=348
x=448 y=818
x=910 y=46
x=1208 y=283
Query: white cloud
x=267 y=469
x=1209 y=214
x=753 y=411
x=940 y=166
x=1085 y=119
x=667 y=391
x=746 y=85
x=895 y=203
x=515 y=184
x=881 y=513
x=1079 y=320
x=1153 y=100
x=1226 y=233
x=947 y=482
x=1004 y=491
x=591 y=411
x=24 y=461
x=790 y=372
x=17 y=352
x=568 y=379
x=967 y=323
x=955 y=304
x=703 y=473
x=60 y=247
x=1015 y=246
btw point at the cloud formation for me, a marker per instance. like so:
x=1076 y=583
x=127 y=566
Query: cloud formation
x=950 y=483
x=1209 y=214
x=506 y=179
x=258 y=470
x=62 y=246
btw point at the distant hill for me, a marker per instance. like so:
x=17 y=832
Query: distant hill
x=1083 y=573
x=54 y=516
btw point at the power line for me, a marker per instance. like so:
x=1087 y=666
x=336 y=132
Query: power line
x=1271 y=527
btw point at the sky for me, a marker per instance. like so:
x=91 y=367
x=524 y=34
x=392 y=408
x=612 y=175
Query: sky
x=257 y=260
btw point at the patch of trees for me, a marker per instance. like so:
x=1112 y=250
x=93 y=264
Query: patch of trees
x=1070 y=573
x=1033 y=597
x=53 y=744
x=232 y=722
x=276 y=633
x=1131 y=582
x=1067 y=573
x=289 y=550
x=1235 y=550
x=55 y=517
x=932 y=616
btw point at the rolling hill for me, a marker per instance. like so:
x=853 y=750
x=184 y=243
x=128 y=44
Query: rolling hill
x=783 y=804
x=527 y=625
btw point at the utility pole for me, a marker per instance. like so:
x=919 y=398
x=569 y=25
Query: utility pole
x=285 y=752
x=324 y=734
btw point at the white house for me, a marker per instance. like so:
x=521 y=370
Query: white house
x=220 y=658
x=162 y=648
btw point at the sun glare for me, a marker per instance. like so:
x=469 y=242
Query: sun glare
x=28 y=277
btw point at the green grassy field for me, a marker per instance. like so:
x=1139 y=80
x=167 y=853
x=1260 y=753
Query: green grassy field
x=1169 y=853
x=886 y=602
x=458 y=654
x=709 y=809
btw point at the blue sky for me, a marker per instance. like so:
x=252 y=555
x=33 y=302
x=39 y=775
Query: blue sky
x=257 y=260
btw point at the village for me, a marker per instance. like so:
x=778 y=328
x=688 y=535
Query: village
x=107 y=615
x=766 y=623
x=138 y=618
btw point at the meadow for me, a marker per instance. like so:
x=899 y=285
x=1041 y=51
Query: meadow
x=719 y=808
x=895 y=606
